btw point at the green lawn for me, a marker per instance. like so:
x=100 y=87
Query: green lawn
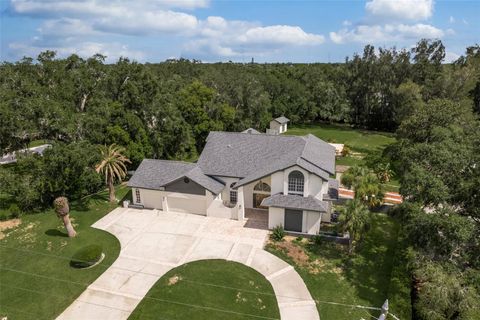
x=362 y=141
x=36 y=280
x=368 y=277
x=210 y=290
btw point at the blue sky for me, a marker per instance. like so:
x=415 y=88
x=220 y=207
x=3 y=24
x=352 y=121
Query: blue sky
x=210 y=30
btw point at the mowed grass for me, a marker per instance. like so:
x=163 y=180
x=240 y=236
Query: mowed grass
x=375 y=272
x=36 y=280
x=209 y=290
x=361 y=141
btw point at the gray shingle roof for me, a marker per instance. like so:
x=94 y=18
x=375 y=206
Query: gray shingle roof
x=252 y=156
x=282 y=120
x=296 y=202
x=153 y=174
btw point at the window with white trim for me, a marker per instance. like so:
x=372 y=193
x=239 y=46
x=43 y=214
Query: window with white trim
x=233 y=194
x=137 y=196
x=296 y=183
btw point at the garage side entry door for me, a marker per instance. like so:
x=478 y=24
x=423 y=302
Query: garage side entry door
x=293 y=220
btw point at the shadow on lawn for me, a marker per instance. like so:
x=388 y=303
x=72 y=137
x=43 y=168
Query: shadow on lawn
x=369 y=269
x=56 y=233
x=84 y=204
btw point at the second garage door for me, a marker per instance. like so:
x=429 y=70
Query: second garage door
x=293 y=220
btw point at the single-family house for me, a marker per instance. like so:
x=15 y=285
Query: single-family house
x=284 y=178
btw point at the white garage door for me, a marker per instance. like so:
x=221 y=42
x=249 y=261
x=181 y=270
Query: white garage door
x=187 y=203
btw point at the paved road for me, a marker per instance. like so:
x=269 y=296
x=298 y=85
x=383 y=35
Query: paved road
x=153 y=242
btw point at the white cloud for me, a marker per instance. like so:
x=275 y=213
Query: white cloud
x=99 y=7
x=280 y=35
x=147 y=23
x=451 y=19
x=67 y=22
x=220 y=37
x=113 y=50
x=386 y=33
x=400 y=9
x=451 y=56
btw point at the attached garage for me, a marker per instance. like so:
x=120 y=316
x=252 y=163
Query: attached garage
x=174 y=186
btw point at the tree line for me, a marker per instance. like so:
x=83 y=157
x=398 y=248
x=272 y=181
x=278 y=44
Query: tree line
x=165 y=110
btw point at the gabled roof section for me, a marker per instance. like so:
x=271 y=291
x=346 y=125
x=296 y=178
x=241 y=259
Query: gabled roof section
x=282 y=120
x=252 y=156
x=296 y=202
x=319 y=153
x=154 y=174
x=251 y=131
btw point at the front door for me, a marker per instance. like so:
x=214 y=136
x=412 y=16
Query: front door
x=293 y=220
x=257 y=200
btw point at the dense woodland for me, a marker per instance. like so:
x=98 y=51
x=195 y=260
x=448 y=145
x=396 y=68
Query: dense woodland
x=166 y=110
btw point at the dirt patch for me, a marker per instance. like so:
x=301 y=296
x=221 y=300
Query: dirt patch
x=174 y=280
x=299 y=255
x=9 y=224
x=294 y=251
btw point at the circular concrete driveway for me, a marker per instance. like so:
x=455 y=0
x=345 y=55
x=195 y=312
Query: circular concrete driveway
x=154 y=242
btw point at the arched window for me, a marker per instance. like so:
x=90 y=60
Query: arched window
x=296 y=183
x=233 y=194
x=262 y=186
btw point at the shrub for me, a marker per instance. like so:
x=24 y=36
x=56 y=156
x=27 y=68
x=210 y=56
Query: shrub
x=3 y=216
x=278 y=233
x=86 y=257
x=14 y=211
x=299 y=239
x=346 y=151
x=317 y=240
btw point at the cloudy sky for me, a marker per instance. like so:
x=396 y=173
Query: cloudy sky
x=237 y=30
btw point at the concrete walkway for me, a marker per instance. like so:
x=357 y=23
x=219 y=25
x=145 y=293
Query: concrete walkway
x=154 y=242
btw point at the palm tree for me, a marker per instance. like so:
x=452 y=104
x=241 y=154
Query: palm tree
x=350 y=177
x=113 y=166
x=369 y=190
x=384 y=172
x=353 y=218
x=62 y=209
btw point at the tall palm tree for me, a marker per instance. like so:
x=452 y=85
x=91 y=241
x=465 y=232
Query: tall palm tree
x=354 y=218
x=113 y=166
x=62 y=209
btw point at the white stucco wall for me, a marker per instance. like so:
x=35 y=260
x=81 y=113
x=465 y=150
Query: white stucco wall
x=277 y=182
x=316 y=186
x=311 y=222
x=276 y=217
x=226 y=191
